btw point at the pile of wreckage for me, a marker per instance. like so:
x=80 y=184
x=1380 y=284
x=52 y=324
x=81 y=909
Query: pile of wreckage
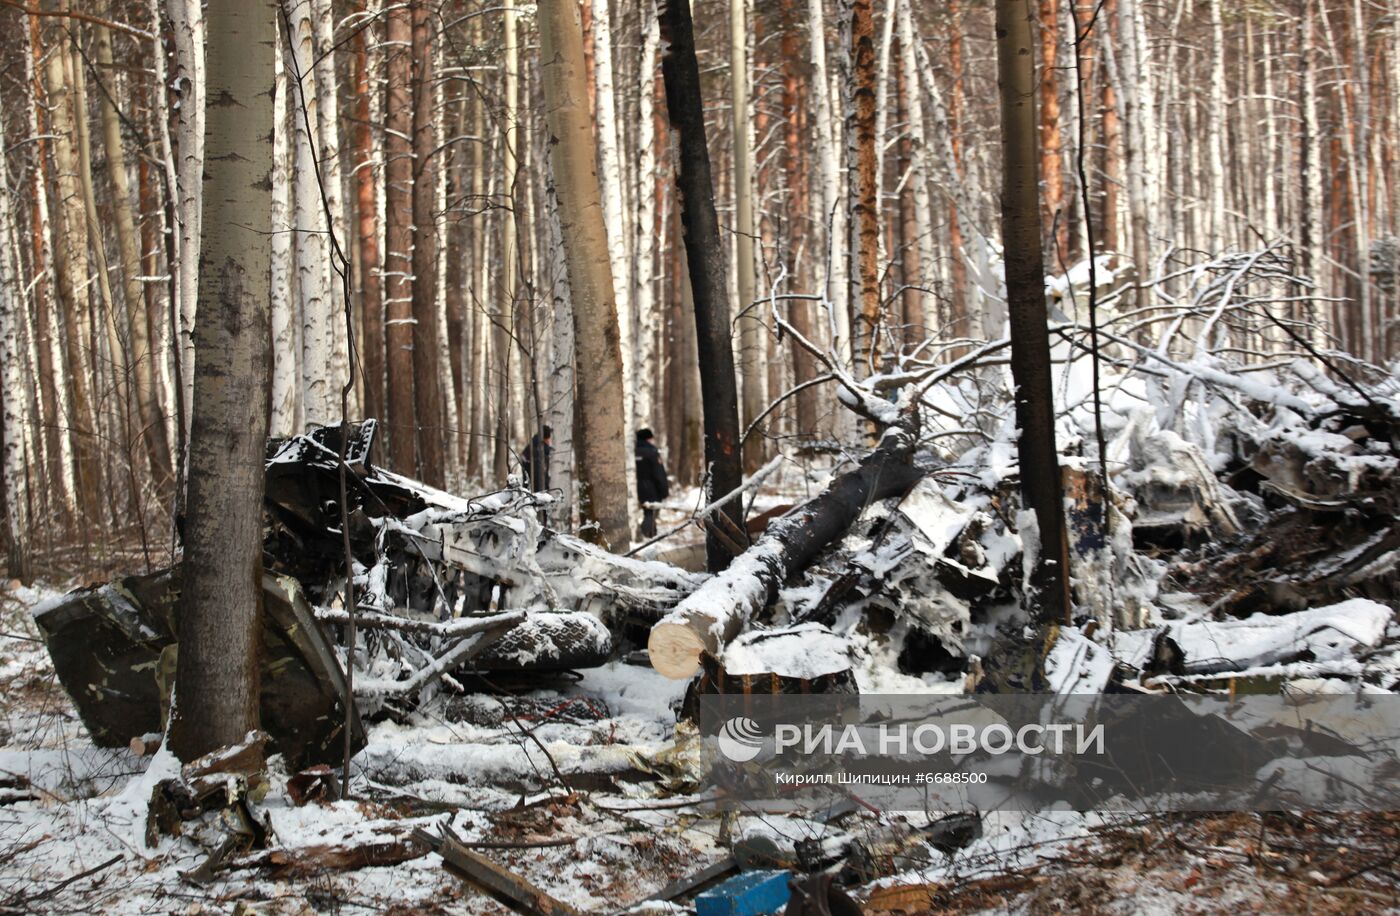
x=446 y=588
x=1280 y=565
x=906 y=564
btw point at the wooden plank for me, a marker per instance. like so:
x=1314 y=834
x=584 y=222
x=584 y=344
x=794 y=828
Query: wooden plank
x=510 y=889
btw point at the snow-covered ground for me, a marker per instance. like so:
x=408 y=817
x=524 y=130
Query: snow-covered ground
x=72 y=820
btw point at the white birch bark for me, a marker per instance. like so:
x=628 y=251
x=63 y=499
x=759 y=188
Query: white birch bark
x=752 y=372
x=187 y=20
x=328 y=157
x=507 y=406
x=882 y=119
x=49 y=332
x=561 y=366
x=611 y=182
x=1271 y=148
x=1216 y=105
x=1312 y=174
x=451 y=469
x=1137 y=129
x=286 y=374
x=320 y=384
x=12 y=375
x=919 y=168
x=165 y=331
x=833 y=211
x=648 y=313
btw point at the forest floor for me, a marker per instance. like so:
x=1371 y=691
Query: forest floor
x=72 y=822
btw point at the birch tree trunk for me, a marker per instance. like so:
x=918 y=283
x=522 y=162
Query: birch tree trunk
x=611 y=185
x=12 y=387
x=328 y=157
x=1310 y=162
x=1216 y=119
x=648 y=232
x=320 y=386
x=561 y=369
x=602 y=468
x=832 y=218
x=751 y=362
x=918 y=178
x=187 y=21
x=504 y=325
x=1137 y=115
x=165 y=327
x=53 y=387
x=216 y=681
x=286 y=349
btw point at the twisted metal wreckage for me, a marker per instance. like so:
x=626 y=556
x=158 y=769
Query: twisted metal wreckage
x=445 y=587
x=1261 y=499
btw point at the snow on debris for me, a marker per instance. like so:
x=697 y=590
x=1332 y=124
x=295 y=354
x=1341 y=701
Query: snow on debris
x=807 y=650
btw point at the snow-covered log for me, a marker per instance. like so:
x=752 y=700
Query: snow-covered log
x=715 y=613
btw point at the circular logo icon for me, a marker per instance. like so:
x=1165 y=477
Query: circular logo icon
x=741 y=739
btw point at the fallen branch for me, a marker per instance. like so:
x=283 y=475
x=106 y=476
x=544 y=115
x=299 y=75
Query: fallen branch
x=462 y=651
x=715 y=613
x=307 y=861
x=755 y=480
x=18 y=901
x=366 y=620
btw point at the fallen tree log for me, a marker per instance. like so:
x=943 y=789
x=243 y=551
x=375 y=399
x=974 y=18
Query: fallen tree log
x=716 y=612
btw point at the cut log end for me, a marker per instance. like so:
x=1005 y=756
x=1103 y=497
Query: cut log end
x=675 y=650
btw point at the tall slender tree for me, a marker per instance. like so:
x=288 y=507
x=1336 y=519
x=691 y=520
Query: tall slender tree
x=398 y=239
x=867 y=203
x=216 y=681
x=429 y=411
x=602 y=504
x=706 y=260
x=751 y=362
x=1038 y=460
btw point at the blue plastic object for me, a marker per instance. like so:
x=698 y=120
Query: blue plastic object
x=753 y=893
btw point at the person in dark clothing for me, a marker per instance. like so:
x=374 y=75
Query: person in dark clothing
x=535 y=462
x=652 y=485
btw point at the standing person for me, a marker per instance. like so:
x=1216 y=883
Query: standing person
x=652 y=486
x=535 y=462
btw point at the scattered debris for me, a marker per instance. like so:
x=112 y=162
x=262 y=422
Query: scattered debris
x=305 y=861
x=318 y=783
x=114 y=649
x=492 y=879
x=225 y=780
x=711 y=616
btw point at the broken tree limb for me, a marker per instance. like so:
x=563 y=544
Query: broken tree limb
x=755 y=480
x=368 y=620
x=715 y=613
x=461 y=652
